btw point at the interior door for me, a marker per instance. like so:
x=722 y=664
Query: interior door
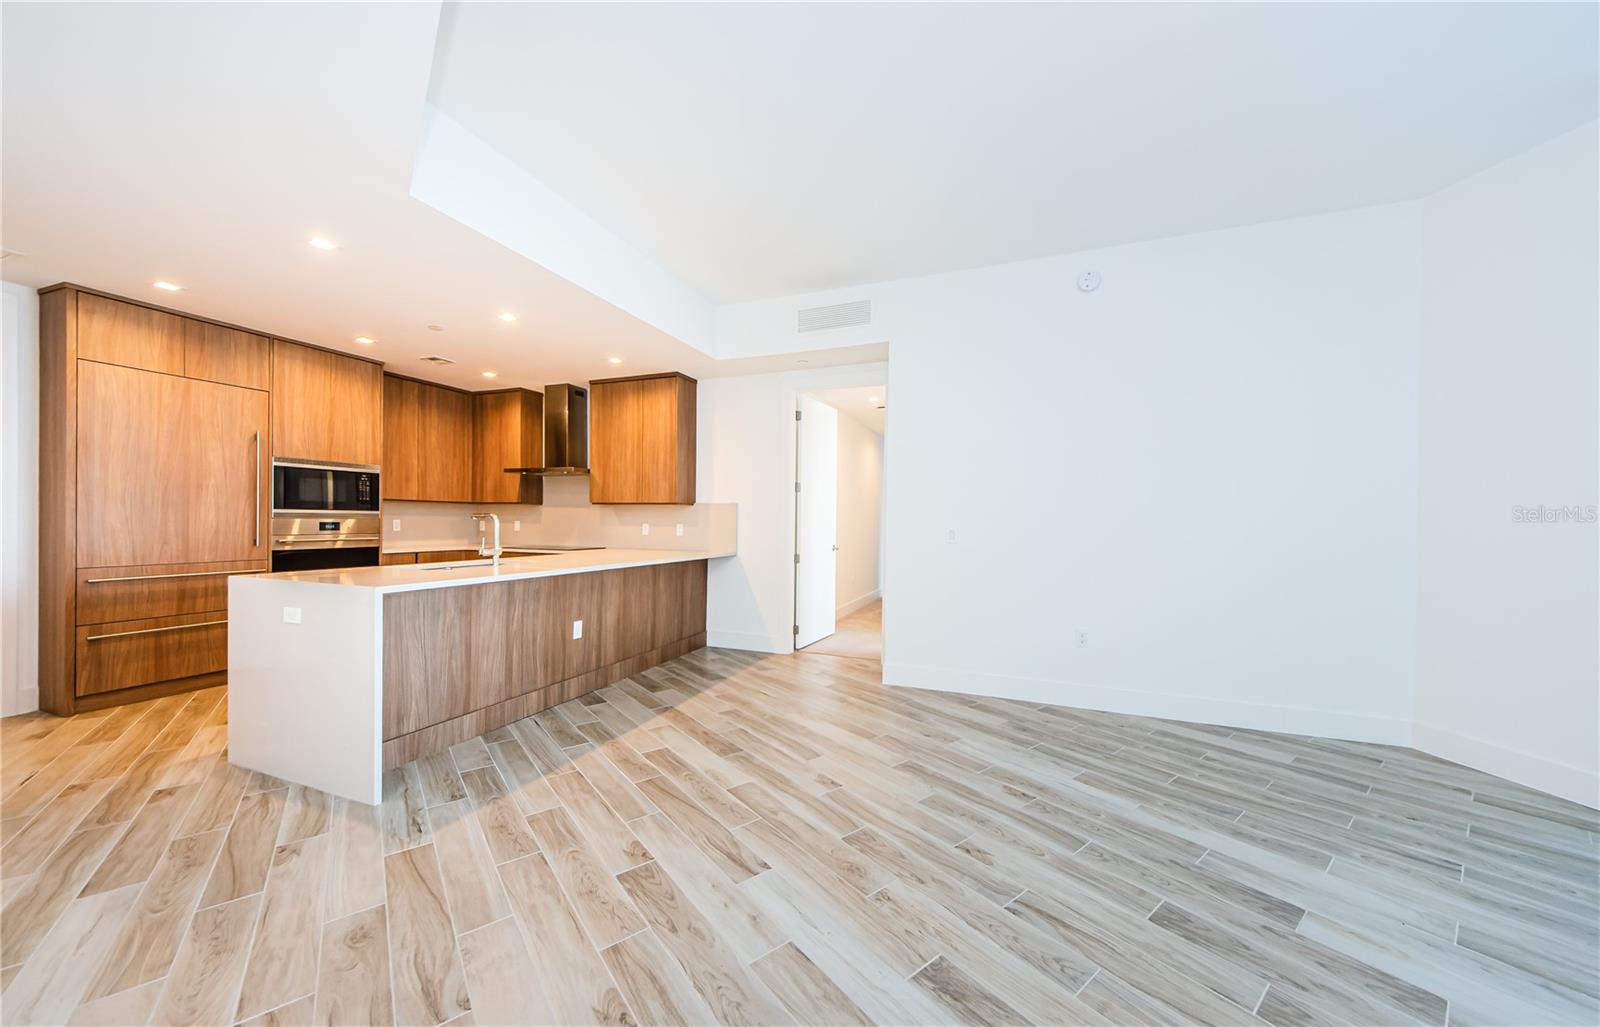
x=816 y=512
x=170 y=470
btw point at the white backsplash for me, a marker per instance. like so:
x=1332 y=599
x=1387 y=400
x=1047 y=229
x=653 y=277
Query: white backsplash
x=566 y=518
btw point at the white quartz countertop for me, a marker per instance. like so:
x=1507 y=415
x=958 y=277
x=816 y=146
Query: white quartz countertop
x=409 y=577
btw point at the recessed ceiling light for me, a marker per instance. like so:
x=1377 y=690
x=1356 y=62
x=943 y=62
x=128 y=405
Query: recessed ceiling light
x=613 y=360
x=364 y=340
x=508 y=316
x=322 y=242
x=169 y=286
x=872 y=399
x=488 y=374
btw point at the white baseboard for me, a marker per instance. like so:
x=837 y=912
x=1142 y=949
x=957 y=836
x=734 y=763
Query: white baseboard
x=1299 y=720
x=1579 y=784
x=748 y=641
x=857 y=603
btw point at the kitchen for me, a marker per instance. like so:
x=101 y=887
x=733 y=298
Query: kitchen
x=191 y=468
x=430 y=588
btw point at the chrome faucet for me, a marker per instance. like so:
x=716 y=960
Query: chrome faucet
x=483 y=546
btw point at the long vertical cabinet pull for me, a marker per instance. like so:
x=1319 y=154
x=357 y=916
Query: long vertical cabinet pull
x=255 y=511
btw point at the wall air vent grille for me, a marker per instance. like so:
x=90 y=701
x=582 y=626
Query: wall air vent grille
x=839 y=315
x=437 y=360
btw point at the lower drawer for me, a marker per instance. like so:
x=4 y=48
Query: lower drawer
x=107 y=594
x=122 y=654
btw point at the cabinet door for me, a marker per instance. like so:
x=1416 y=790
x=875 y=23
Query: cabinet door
x=114 y=332
x=325 y=406
x=642 y=437
x=506 y=432
x=170 y=470
x=401 y=435
x=445 y=445
x=225 y=355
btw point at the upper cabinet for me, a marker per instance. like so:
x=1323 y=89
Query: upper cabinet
x=113 y=332
x=507 y=431
x=325 y=406
x=427 y=441
x=642 y=439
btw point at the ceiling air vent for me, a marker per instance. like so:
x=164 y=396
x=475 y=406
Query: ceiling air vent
x=839 y=315
x=441 y=361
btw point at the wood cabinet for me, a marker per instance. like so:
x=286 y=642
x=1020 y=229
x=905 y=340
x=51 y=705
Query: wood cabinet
x=112 y=331
x=326 y=406
x=427 y=441
x=463 y=660
x=154 y=488
x=507 y=431
x=392 y=559
x=169 y=469
x=642 y=440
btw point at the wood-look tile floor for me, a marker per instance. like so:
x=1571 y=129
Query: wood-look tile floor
x=858 y=635
x=733 y=838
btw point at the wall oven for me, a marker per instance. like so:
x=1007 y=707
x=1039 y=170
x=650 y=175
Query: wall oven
x=324 y=515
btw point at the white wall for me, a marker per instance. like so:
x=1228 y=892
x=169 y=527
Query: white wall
x=1509 y=611
x=19 y=500
x=860 y=514
x=1209 y=465
x=746 y=456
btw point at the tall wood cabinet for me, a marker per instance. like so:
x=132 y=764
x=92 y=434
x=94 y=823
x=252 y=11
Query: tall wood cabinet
x=155 y=480
x=642 y=439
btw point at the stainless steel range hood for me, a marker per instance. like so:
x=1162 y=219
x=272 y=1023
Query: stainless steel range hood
x=566 y=433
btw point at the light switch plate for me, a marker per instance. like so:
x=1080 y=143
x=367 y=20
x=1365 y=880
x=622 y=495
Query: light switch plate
x=680 y=531
x=396 y=524
x=577 y=630
x=644 y=529
x=516 y=525
x=291 y=615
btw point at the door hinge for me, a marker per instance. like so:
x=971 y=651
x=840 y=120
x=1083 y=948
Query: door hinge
x=797 y=486
x=797 y=558
x=797 y=629
x=797 y=415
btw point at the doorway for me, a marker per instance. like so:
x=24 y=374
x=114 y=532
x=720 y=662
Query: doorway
x=840 y=473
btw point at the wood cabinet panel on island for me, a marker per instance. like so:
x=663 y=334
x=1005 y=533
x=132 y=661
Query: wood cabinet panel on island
x=325 y=405
x=460 y=661
x=642 y=439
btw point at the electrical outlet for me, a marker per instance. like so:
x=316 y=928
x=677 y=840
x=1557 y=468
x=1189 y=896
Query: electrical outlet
x=644 y=529
x=950 y=536
x=395 y=524
x=1081 y=636
x=483 y=526
x=577 y=630
x=680 y=531
x=516 y=525
x=291 y=615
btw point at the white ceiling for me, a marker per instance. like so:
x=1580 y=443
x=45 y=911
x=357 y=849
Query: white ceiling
x=205 y=143
x=750 y=150
x=861 y=403
x=765 y=150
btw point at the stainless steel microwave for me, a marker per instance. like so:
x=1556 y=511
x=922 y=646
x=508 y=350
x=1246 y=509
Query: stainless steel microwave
x=299 y=487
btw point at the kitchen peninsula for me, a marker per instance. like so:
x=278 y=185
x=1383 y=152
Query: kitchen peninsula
x=337 y=675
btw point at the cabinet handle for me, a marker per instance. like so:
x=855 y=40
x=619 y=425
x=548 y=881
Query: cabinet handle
x=255 y=511
x=164 y=577
x=152 y=631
